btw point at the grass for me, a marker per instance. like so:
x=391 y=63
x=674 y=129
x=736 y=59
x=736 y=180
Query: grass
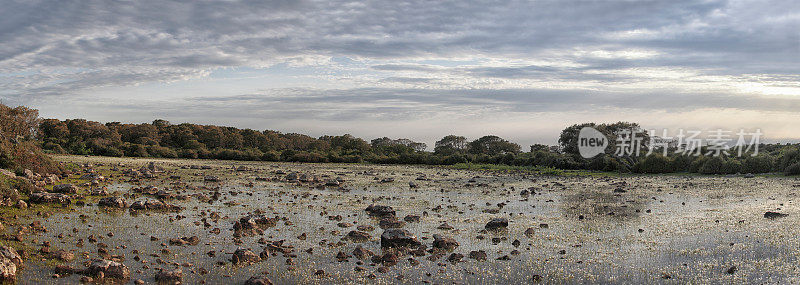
x=550 y=171
x=538 y=170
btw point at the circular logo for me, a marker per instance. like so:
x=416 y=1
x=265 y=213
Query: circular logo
x=591 y=142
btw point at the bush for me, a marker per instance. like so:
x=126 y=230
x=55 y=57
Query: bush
x=758 y=164
x=682 y=163
x=7 y=192
x=24 y=186
x=53 y=148
x=136 y=150
x=793 y=169
x=731 y=166
x=654 y=163
x=712 y=166
x=160 y=151
x=187 y=153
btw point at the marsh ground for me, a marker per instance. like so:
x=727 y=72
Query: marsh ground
x=569 y=229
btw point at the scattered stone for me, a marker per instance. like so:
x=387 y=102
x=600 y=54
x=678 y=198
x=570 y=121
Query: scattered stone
x=169 y=277
x=773 y=215
x=380 y=211
x=392 y=238
x=478 y=255
x=497 y=224
x=358 y=236
x=108 y=269
x=244 y=256
x=444 y=243
x=114 y=202
x=42 y=197
x=65 y=189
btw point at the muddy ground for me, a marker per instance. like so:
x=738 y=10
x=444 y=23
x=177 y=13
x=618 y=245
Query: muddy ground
x=566 y=229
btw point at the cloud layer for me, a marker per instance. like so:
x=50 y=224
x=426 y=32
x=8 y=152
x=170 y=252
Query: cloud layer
x=365 y=63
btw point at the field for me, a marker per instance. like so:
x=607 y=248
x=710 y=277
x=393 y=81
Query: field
x=562 y=228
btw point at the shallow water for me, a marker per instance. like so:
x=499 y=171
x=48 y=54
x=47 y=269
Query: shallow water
x=692 y=233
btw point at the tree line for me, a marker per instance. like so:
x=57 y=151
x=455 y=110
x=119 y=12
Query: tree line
x=24 y=132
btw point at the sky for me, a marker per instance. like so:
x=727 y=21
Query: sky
x=522 y=70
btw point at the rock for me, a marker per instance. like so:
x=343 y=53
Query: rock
x=773 y=215
x=62 y=255
x=341 y=256
x=169 y=277
x=258 y=280
x=445 y=226
x=455 y=257
x=21 y=204
x=114 y=202
x=10 y=261
x=65 y=189
x=387 y=180
x=42 y=197
x=444 y=243
x=478 y=255
x=211 y=178
x=244 y=256
x=108 y=269
x=144 y=205
x=529 y=232
x=380 y=211
x=292 y=176
x=358 y=236
x=392 y=238
x=497 y=224
x=412 y=219
x=194 y=240
x=412 y=184
x=98 y=192
x=362 y=254
x=391 y=223
x=253 y=225
x=731 y=270
x=331 y=182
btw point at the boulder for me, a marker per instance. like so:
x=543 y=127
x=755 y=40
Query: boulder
x=113 y=202
x=10 y=261
x=169 y=277
x=380 y=211
x=444 y=243
x=392 y=238
x=65 y=189
x=110 y=269
x=358 y=236
x=42 y=197
x=143 y=205
x=244 y=256
x=497 y=224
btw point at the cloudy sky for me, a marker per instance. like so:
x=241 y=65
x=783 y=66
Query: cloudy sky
x=523 y=70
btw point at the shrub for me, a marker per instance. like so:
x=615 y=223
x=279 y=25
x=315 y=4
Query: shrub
x=6 y=191
x=758 y=164
x=187 y=153
x=793 y=169
x=136 y=150
x=654 y=163
x=731 y=166
x=24 y=186
x=712 y=166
